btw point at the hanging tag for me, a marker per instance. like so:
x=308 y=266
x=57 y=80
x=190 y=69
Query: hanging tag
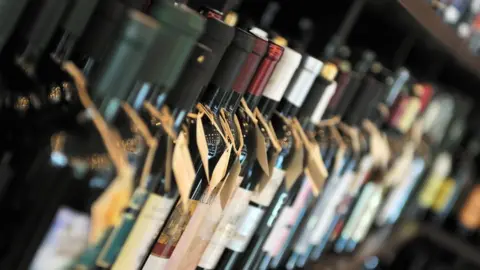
x=270 y=131
x=230 y=183
x=352 y=132
x=316 y=169
x=164 y=116
x=249 y=112
x=241 y=141
x=266 y=177
x=169 y=164
x=379 y=149
x=202 y=144
x=295 y=168
x=229 y=134
x=315 y=159
x=261 y=150
x=329 y=122
x=106 y=211
x=220 y=170
x=401 y=167
x=183 y=169
x=342 y=148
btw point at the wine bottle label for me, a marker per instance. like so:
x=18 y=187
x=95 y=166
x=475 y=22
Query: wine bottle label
x=66 y=239
x=470 y=213
x=120 y=233
x=303 y=243
x=398 y=197
x=358 y=211
x=430 y=190
x=329 y=213
x=265 y=197
x=368 y=215
x=189 y=249
x=281 y=230
x=225 y=230
x=440 y=170
x=148 y=224
x=245 y=229
x=444 y=197
x=168 y=240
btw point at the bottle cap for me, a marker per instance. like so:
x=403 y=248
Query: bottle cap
x=217 y=37
x=79 y=16
x=102 y=29
x=10 y=13
x=259 y=32
x=123 y=64
x=41 y=33
x=302 y=80
x=250 y=66
x=367 y=100
x=265 y=69
x=283 y=73
x=329 y=71
x=317 y=99
x=232 y=61
x=177 y=36
x=210 y=13
x=186 y=91
x=366 y=62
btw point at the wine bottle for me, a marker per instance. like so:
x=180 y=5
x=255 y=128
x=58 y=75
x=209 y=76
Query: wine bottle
x=239 y=201
x=461 y=176
x=76 y=186
x=201 y=227
x=99 y=35
x=218 y=37
x=293 y=99
x=159 y=199
x=309 y=116
x=363 y=211
x=11 y=13
x=182 y=28
x=363 y=105
x=274 y=90
x=163 y=79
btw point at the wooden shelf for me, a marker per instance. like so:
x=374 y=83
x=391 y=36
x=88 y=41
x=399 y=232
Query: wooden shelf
x=445 y=35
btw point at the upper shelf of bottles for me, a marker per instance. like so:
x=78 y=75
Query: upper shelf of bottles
x=443 y=33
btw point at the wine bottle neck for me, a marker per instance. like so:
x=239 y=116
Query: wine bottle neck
x=214 y=98
x=233 y=101
x=251 y=100
x=287 y=108
x=267 y=107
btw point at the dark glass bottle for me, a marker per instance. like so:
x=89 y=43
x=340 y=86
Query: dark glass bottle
x=293 y=99
x=218 y=37
x=66 y=167
x=309 y=116
x=239 y=200
x=155 y=74
x=249 y=222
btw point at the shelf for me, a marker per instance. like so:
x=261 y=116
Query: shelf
x=443 y=33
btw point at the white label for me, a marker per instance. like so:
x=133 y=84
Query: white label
x=265 y=197
x=281 y=230
x=64 y=242
x=200 y=223
x=245 y=229
x=362 y=203
x=225 y=230
x=396 y=200
x=317 y=114
x=368 y=216
x=144 y=232
x=329 y=214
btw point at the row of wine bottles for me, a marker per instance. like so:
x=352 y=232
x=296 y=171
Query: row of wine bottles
x=151 y=136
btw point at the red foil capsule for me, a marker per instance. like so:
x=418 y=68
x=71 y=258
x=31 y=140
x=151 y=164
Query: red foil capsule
x=265 y=69
x=250 y=66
